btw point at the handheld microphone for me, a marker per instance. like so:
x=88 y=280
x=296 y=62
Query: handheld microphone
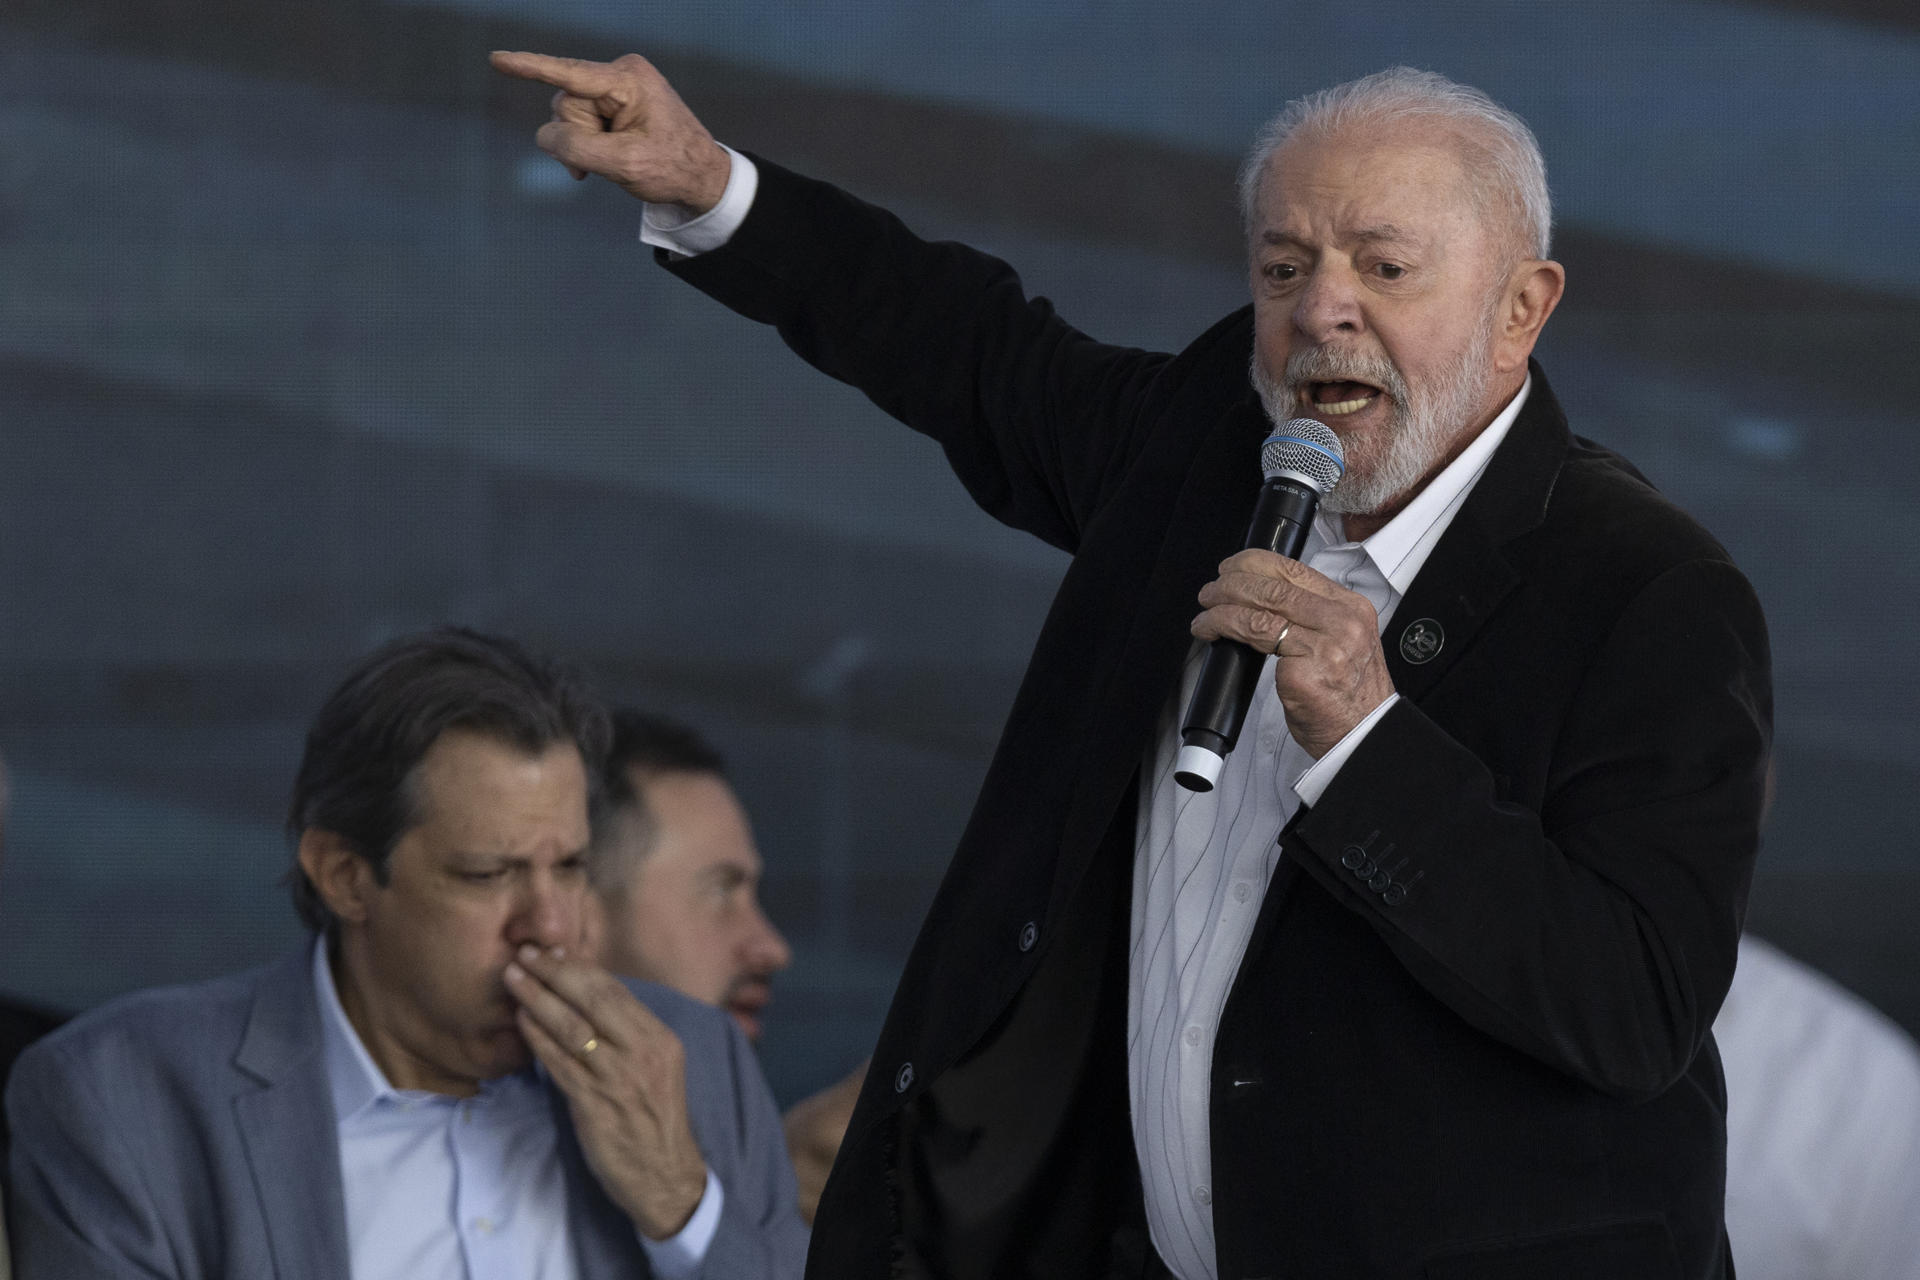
x=1302 y=461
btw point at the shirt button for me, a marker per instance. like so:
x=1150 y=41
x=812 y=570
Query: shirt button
x=1029 y=934
x=903 y=1078
x=1270 y=743
x=1202 y=1197
x=483 y=1225
x=1193 y=1036
x=1242 y=891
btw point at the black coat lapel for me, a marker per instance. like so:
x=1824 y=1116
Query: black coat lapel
x=1462 y=583
x=1468 y=573
x=1456 y=591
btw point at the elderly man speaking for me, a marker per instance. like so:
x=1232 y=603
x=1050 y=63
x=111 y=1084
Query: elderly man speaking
x=1423 y=986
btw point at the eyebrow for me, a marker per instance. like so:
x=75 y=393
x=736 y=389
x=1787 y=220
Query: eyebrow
x=1389 y=233
x=1383 y=233
x=511 y=859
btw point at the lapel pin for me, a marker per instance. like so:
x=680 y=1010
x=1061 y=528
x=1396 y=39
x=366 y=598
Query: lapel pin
x=1421 y=641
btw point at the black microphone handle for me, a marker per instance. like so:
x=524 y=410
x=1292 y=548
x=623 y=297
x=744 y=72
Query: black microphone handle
x=1281 y=520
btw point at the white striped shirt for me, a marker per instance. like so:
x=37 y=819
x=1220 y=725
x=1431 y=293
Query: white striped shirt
x=1202 y=863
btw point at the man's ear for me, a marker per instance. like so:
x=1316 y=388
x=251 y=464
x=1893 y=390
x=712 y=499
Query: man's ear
x=343 y=879
x=1532 y=292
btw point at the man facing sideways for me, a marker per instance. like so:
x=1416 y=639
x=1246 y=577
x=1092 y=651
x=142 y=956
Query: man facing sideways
x=1423 y=987
x=676 y=879
x=438 y=1085
x=676 y=874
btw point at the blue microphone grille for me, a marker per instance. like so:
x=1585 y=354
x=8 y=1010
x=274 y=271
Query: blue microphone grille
x=1306 y=449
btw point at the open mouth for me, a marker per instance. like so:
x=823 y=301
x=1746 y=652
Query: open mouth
x=1337 y=399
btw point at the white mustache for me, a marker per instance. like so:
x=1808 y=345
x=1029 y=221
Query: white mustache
x=1328 y=364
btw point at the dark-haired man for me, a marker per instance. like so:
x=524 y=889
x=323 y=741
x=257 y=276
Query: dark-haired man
x=676 y=878
x=676 y=873
x=439 y=1085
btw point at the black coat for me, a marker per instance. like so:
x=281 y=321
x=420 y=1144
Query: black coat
x=1470 y=1035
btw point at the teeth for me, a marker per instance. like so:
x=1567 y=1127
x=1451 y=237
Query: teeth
x=1341 y=407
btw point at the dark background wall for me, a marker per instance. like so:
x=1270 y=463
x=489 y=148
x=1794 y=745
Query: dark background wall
x=302 y=345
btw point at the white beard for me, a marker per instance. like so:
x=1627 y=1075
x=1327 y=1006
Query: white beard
x=1423 y=426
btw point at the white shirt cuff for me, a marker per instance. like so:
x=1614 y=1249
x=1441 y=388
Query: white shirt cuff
x=1314 y=782
x=667 y=226
x=679 y=1256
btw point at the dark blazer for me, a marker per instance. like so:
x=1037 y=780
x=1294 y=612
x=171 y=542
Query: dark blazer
x=189 y=1132
x=1470 y=1034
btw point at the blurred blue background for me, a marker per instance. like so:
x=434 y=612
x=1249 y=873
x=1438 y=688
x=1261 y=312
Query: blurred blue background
x=303 y=345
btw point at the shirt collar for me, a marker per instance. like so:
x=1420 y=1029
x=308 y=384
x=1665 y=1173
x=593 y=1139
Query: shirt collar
x=355 y=1080
x=1399 y=547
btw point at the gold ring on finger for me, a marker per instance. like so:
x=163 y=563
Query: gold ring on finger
x=1281 y=638
x=592 y=1043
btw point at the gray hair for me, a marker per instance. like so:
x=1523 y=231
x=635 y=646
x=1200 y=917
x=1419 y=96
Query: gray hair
x=1514 y=175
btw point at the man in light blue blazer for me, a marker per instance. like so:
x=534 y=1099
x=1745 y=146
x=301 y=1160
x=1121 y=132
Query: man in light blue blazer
x=442 y=1084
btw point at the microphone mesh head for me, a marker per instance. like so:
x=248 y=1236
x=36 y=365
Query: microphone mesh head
x=1306 y=449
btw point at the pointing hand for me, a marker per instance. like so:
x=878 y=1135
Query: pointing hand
x=623 y=121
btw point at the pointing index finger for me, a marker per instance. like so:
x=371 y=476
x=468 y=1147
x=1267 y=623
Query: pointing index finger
x=576 y=76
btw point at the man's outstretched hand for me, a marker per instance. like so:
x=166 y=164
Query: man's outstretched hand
x=623 y=121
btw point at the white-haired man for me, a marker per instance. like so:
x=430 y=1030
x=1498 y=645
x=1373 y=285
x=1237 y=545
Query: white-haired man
x=1423 y=988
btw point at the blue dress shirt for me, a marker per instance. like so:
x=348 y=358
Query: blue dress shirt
x=445 y=1188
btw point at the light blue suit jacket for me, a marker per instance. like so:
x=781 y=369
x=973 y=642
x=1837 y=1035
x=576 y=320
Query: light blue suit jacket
x=188 y=1132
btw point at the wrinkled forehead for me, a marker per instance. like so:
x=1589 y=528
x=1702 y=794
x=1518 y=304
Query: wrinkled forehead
x=1378 y=169
x=1424 y=177
x=476 y=790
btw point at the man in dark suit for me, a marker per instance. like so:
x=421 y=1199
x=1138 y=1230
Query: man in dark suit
x=370 y=1105
x=1424 y=987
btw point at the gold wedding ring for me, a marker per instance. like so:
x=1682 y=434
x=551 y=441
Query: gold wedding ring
x=1279 y=639
x=591 y=1044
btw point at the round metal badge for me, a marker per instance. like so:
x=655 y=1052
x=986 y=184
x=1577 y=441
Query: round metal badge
x=1421 y=641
